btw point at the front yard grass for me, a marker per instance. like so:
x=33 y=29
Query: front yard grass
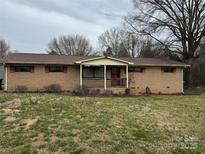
x=51 y=123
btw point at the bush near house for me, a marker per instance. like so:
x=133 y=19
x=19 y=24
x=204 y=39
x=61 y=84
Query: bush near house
x=53 y=88
x=21 y=89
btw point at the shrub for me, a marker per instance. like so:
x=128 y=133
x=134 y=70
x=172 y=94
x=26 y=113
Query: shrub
x=53 y=88
x=81 y=91
x=94 y=92
x=21 y=89
x=127 y=91
x=107 y=93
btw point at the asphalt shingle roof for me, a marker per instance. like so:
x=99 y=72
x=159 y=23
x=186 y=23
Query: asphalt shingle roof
x=29 y=58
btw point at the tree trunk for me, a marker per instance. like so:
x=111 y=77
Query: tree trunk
x=189 y=73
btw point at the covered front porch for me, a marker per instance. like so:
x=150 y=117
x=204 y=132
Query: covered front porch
x=104 y=73
x=104 y=77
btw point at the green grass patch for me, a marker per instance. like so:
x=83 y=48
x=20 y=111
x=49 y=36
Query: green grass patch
x=142 y=134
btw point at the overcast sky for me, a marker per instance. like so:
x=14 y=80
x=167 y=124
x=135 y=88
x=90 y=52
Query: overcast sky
x=28 y=25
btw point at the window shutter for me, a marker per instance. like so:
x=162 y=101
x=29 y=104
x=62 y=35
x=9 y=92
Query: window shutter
x=47 y=69
x=12 y=69
x=65 y=68
x=32 y=69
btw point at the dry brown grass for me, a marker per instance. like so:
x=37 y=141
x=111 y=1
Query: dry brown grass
x=49 y=123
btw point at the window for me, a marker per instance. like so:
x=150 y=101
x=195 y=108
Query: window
x=56 y=69
x=168 y=69
x=99 y=73
x=22 y=68
x=136 y=69
x=93 y=72
x=88 y=73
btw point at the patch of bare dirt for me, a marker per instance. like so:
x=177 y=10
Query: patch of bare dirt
x=10 y=119
x=9 y=150
x=43 y=151
x=76 y=139
x=8 y=111
x=38 y=143
x=29 y=122
x=13 y=104
x=53 y=139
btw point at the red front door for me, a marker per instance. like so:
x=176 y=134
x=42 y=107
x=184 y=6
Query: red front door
x=115 y=76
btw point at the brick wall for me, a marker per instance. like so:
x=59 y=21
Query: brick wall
x=37 y=80
x=157 y=81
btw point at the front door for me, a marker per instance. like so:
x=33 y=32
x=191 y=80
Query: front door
x=115 y=76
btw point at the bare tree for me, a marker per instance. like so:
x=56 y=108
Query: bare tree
x=151 y=49
x=181 y=21
x=4 y=48
x=119 y=43
x=70 y=45
x=110 y=42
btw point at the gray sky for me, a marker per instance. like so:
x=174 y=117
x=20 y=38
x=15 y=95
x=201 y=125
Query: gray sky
x=28 y=25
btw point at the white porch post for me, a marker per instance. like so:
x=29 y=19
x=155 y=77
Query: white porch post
x=127 y=77
x=105 y=77
x=81 y=76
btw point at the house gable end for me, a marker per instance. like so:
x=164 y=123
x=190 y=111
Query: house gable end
x=104 y=61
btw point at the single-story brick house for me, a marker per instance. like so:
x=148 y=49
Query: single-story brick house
x=140 y=75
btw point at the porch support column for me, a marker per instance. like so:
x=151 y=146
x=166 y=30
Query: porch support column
x=81 y=76
x=127 y=77
x=105 y=77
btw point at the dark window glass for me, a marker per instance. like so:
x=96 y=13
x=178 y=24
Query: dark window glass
x=93 y=72
x=99 y=73
x=168 y=69
x=56 y=69
x=23 y=68
x=136 y=69
x=87 y=72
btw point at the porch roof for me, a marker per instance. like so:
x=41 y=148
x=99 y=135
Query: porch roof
x=104 y=60
x=29 y=58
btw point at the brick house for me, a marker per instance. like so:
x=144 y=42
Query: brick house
x=140 y=75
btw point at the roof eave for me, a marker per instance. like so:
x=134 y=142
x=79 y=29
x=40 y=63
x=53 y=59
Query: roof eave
x=163 y=65
x=38 y=63
x=79 y=62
